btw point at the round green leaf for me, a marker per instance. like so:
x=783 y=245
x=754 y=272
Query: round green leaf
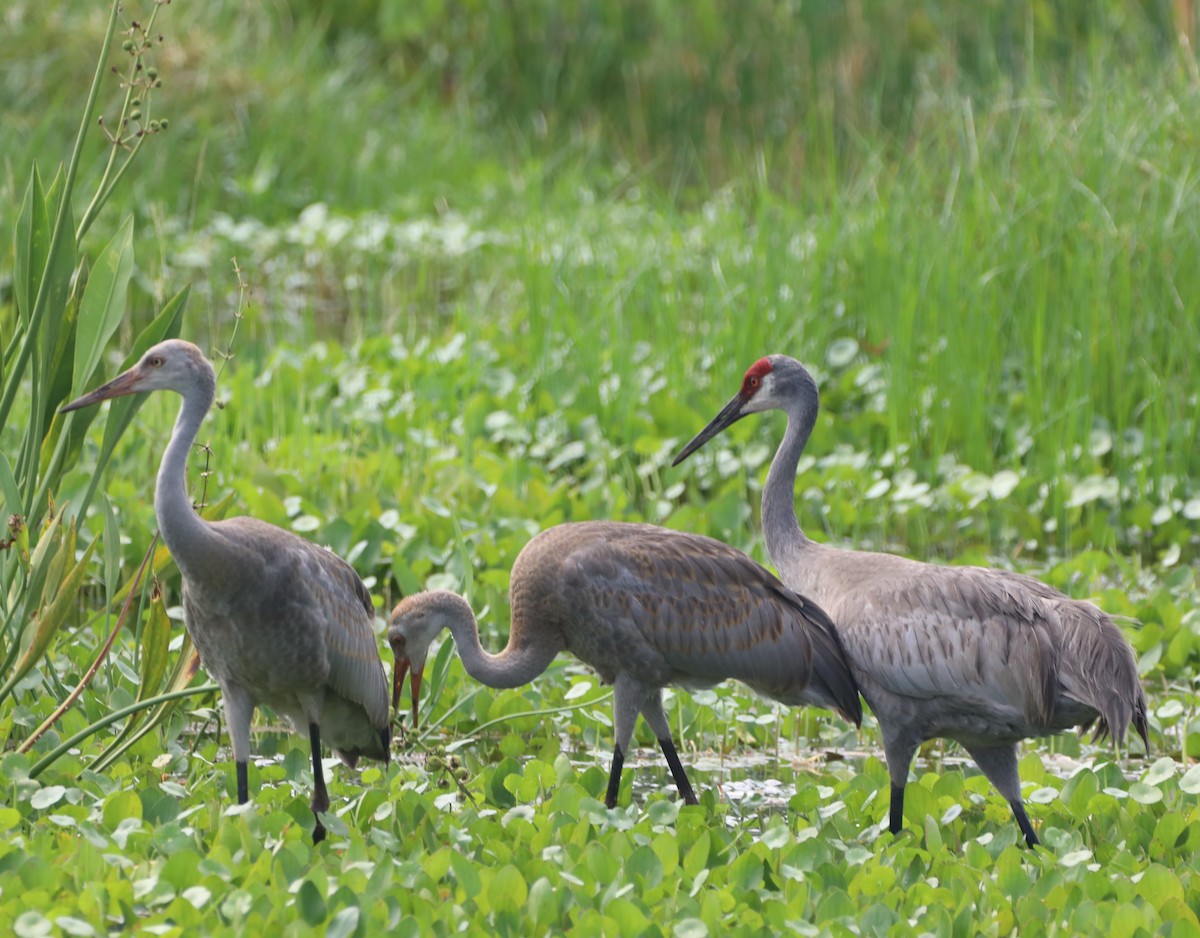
x=344 y=924
x=311 y=903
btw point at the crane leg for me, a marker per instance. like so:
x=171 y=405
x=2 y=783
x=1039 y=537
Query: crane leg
x=896 y=809
x=1031 y=838
x=652 y=710
x=628 y=695
x=243 y=780
x=899 y=753
x=677 y=771
x=999 y=763
x=320 y=801
x=614 y=777
x=239 y=708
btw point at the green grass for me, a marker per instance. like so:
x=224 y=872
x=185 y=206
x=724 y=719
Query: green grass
x=459 y=326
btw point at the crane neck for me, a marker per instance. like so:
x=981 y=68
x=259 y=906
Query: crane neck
x=780 y=526
x=519 y=663
x=184 y=532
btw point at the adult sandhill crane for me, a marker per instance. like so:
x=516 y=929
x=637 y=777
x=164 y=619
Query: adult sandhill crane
x=646 y=607
x=983 y=657
x=277 y=620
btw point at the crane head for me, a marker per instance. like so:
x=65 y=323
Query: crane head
x=173 y=365
x=756 y=394
x=415 y=622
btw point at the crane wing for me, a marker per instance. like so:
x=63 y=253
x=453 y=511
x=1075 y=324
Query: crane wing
x=307 y=595
x=955 y=632
x=710 y=613
x=347 y=613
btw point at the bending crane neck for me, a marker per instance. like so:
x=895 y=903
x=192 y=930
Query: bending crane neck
x=519 y=662
x=780 y=525
x=183 y=531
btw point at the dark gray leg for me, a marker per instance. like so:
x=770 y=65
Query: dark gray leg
x=899 y=753
x=999 y=763
x=652 y=710
x=614 y=777
x=627 y=700
x=243 y=782
x=677 y=771
x=320 y=801
x=896 y=809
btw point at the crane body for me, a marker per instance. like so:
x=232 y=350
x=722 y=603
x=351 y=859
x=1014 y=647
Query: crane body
x=277 y=619
x=981 y=656
x=646 y=607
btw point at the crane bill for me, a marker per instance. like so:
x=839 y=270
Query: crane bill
x=415 y=691
x=119 y=386
x=730 y=414
x=402 y=668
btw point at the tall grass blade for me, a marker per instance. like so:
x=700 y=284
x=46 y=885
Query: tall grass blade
x=67 y=745
x=36 y=638
x=186 y=667
x=100 y=655
x=104 y=303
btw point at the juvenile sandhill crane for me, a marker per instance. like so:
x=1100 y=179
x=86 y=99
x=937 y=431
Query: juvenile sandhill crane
x=983 y=657
x=277 y=620
x=646 y=607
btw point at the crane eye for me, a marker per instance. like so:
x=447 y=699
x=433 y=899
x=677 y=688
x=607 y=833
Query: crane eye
x=155 y=362
x=754 y=382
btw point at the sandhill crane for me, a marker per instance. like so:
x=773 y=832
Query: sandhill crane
x=277 y=619
x=646 y=607
x=983 y=657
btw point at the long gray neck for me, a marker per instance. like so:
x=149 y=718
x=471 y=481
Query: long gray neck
x=517 y=664
x=785 y=539
x=186 y=535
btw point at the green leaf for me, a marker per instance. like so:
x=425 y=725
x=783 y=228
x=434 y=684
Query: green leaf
x=36 y=639
x=74 y=926
x=104 y=304
x=1190 y=782
x=311 y=903
x=466 y=873
x=344 y=924
x=156 y=637
x=112 y=546
x=11 y=493
x=32 y=925
x=121 y=806
x=697 y=857
x=776 y=835
x=1162 y=770
x=508 y=889
x=45 y=797
x=644 y=867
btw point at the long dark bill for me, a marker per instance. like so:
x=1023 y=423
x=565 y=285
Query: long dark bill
x=403 y=667
x=729 y=415
x=119 y=386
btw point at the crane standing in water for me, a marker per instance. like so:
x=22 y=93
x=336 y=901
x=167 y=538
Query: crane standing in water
x=646 y=607
x=980 y=656
x=277 y=619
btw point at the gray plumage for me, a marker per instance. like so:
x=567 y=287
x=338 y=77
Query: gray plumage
x=277 y=620
x=984 y=657
x=646 y=607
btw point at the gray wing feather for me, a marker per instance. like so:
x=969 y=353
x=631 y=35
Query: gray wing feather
x=957 y=634
x=310 y=597
x=346 y=613
x=713 y=613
